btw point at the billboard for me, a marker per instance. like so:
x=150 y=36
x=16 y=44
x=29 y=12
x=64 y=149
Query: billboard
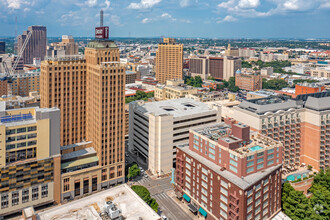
x=102 y=32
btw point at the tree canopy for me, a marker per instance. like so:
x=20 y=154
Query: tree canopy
x=145 y=195
x=193 y=81
x=297 y=206
x=140 y=95
x=275 y=84
x=133 y=171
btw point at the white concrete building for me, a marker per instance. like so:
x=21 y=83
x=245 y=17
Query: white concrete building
x=156 y=128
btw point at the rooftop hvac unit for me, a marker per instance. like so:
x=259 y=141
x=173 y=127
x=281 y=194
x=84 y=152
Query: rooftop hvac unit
x=112 y=211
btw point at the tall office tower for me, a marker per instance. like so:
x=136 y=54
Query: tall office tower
x=169 y=60
x=63 y=84
x=230 y=66
x=2 y=47
x=250 y=82
x=226 y=173
x=216 y=67
x=36 y=47
x=106 y=101
x=65 y=48
x=232 y=51
x=199 y=66
x=30 y=160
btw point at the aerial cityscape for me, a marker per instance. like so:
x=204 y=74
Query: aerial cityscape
x=165 y=110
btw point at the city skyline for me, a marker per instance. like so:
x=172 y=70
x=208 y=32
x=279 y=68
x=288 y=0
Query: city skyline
x=152 y=18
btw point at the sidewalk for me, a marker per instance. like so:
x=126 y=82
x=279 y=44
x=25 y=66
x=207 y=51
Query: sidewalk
x=182 y=205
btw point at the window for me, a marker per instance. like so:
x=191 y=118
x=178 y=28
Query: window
x=233 y=162
x=21 y=130
x=250 y=157
x=224 y=184
x=249 y=208
x=249 y=192
x=204 y=191
x=260 y=154
x=104 y=174
x=211 y=145
x=224 y=214
x=258 y=187
x=249 y=200
x=15 y=198
x=257 y=202
x=44 y=191
x=204 y=177
x=224 y=199
x=223 y=206
x=270 y=162
x=196 y=147
x=25 y=195
x=66 y=184
x=204 y=184
x=188 y=178
x=233 y=168
x=204 y=170
x=266 y=196
x=212 y=156
x=260 y=160
x=188 y=166
x=4 y=201
x=257 y=210
x=187 y=185
x=260 y=166
x=204 y=198
x=211 y=151
x=35 y=193
x=233 y=156
x=270 y=156
x=196 y=137
x=249 y=170
x=266 y=181
x=265 y=189
x=188 y=172
x=224 y=191
x=270 y=151
x=250 y=163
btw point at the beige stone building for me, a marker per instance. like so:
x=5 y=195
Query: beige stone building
x=321 y=72
x=90 y=94
x=30 y=159
x=230 y=66
x=65 y=48
x=174 y=89
x=156 y=128
x=169 y=60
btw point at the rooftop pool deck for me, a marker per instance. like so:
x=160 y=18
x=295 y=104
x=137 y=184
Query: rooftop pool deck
x=255 y=148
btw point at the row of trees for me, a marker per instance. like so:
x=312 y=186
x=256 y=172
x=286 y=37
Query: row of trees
x=297 y=206
x=230 y=85
x=193 y=81
x=140 y=95
x=275 y=84
x=145 y=195
x=277 y=65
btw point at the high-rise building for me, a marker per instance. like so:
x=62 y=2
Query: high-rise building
x=169 y=60
x=300 y=125
x=30 y=160
x=226 y=173
x=199 y=66
x=230 y=66
x=157 y=128
x=90 y=94
x=36 y=47
x=2 y=47
x=216 y=67
x=232 y=51
x=249 y=82
x=65 y=48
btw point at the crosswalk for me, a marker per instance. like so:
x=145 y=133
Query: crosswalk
x=160 y=196
x=144 y=180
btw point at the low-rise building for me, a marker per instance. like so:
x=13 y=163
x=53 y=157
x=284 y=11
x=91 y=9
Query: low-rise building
x=226 y=173
x=211 y=84
x=156 y=128
x=30 y=159
x=260 y=94
x=174 y=89
x=131 y=76
x=306 y=88
x=250 y=82
x=207 y=96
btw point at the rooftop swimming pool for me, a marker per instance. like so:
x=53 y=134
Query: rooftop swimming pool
x=296 y=176
x=255 y=148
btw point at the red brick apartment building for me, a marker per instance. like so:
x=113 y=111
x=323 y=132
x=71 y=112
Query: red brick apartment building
x=226 y=173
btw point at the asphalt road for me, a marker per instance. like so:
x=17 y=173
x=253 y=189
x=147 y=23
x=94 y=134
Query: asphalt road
x=168 y=207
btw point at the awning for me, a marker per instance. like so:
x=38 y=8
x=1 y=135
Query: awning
x=192 y=208
x=187 y=198
x=202 y=211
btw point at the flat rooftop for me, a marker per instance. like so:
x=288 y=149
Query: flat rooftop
x=131 y=205
x=269 y=104
x=243 y=182
x=176 y=107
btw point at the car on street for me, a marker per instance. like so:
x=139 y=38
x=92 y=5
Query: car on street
x=164 y=217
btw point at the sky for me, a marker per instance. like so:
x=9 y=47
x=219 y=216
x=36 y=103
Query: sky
x=301 y=19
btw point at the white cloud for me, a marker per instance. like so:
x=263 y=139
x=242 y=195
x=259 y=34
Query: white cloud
x=228 y=18
x=146 y=20
x=107 y=4
x=15 y=4
x=144 y=4
x=91 y=3
x=167 y=16
x=248 y=3
x=184 y=3
x=227 y=4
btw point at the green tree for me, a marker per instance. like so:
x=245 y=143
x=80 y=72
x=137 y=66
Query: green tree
x=198 y=81
x=275 y=84
x=246 y=64
x=133 y=171
x=210 y=78
x=145 y=195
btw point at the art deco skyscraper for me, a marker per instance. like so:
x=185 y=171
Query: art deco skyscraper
x=105 y=101
x=36 y=47
x=169 y=60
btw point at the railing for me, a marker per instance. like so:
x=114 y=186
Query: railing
x=14 y=118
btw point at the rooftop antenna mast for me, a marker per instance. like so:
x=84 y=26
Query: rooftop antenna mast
x=101 y=18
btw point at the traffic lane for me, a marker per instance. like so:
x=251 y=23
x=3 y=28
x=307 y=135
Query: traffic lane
x=172 y=210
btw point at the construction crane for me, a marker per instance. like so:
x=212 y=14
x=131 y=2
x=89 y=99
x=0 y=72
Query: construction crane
x=21 y=52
